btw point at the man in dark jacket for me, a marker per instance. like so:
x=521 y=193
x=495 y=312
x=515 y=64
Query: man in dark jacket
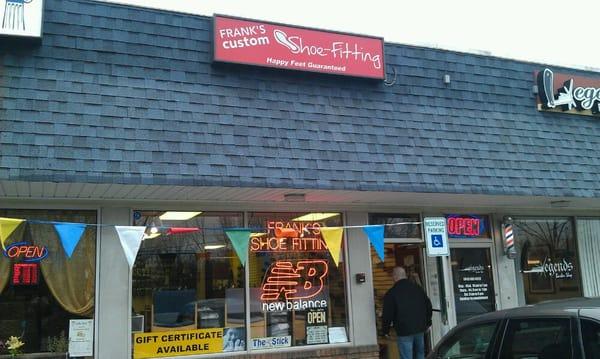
x=407 y=306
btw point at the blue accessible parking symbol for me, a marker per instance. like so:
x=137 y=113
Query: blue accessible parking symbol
x=436 y=241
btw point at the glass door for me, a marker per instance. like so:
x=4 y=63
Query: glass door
x=473 y=281
x=407 y=255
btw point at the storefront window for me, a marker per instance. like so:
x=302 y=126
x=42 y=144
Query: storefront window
x=410 y=229
x=547 y=258
x=297 y=292
x=473 y=282
x=41 y=289
x=188 y=285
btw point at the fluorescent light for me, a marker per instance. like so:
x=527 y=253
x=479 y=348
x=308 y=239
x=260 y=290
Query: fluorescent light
x=314 y=217
x=214 y=246
x=178 y=216
x=257 y=234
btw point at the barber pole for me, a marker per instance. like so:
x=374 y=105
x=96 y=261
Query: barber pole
x=509 y=241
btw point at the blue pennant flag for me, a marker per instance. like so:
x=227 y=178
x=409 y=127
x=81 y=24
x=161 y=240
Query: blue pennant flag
x=375 y=234
x=69 y=234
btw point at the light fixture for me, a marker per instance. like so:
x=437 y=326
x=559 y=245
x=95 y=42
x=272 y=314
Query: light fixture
x=314 y=217
x=178 y=216
x=151 y=235
x=214 y=246
x=257 y=235
x=294 y=197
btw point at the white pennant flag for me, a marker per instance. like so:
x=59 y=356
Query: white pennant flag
x=131 y=239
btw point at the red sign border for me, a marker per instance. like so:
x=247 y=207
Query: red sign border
x=214 y=59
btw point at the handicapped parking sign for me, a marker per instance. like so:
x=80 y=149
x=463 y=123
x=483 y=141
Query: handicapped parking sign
x=436 y=237
x=436 y=241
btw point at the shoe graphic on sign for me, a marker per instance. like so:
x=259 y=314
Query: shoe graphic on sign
x=436 y=241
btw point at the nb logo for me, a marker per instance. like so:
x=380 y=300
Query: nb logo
x=302 y=281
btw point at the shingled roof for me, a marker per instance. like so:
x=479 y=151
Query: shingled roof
x=120 y=94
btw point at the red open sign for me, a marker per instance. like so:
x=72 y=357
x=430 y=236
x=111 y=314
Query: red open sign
x=466 y=226
x=25 y=274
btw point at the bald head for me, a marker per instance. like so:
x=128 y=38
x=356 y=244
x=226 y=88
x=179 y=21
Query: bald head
x=398 y=273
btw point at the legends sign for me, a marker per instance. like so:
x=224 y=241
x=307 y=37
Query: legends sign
x=573 y=94
x=266 y=44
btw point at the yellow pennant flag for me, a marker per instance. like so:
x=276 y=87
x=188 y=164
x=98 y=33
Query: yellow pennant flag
x=333 y=238
x=7 y=226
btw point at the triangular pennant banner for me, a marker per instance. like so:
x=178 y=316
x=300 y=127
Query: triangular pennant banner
x=69 y=234
x=131 y=238
x=7 y=226
x=333 y=239
x=180 y=230
x=375 y=234
x=240 y=238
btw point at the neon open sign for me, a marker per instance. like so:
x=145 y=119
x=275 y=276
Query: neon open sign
x=465 y=226
x=29 y=252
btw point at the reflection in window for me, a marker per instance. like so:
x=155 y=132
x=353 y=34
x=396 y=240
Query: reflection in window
x=590 y=333
x=471 y=342
x=537 y=338
x=37 y=299
x=187 y=277
x=403 y=231
x=547 y=258
x=297 y=293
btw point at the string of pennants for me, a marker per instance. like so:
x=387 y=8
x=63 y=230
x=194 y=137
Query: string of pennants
x=131 y=237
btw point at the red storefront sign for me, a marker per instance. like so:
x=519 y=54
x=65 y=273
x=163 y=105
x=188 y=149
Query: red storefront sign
x=266 y=44
x=25 y=274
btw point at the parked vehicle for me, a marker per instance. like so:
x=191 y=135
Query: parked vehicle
x=563 y=329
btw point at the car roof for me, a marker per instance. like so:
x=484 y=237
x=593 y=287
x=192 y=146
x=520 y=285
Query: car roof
x=563 y=307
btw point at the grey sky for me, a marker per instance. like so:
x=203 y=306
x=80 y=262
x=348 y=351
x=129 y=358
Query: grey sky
x=555 y=32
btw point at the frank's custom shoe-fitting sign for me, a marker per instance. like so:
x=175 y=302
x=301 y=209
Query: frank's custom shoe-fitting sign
x=266 y=44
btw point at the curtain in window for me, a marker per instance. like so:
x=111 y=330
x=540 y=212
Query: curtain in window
x=70 y=280
x=588 y=237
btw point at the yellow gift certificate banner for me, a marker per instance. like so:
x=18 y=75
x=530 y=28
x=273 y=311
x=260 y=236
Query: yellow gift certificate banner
x=175 y=343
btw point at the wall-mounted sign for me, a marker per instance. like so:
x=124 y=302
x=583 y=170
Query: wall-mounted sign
x=299 y=285
x=27 y=252
x=21 y=18
x=466 y=226
x=436 y=239
x=573 y=94
x=25 y=274
x=268 y=44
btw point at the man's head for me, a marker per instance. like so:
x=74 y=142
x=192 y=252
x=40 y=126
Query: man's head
x=398 y=273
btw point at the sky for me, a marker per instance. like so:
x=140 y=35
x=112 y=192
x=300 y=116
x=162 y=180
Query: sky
x=551 y=32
